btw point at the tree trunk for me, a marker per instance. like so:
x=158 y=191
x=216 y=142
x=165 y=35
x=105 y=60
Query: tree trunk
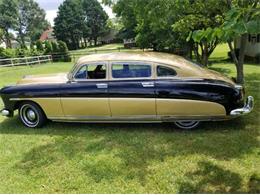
x=241 y=59
x=22 y=41
x=239 y=62
x=196 y=52
x=85 y=42
x=95 y=41
x=190 y=48
x=7 y=39
x=205 y=56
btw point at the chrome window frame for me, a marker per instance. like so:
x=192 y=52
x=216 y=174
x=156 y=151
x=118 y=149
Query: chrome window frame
x=91 y=80
x=134 y=62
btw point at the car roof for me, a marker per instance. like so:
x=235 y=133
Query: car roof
x=156 y=57
x=181 y=65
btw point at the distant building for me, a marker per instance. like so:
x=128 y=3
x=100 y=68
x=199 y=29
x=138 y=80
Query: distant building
x=48 y=35
x=252 y=46
x=110 y=37
x=15 y=44
x=129 y=43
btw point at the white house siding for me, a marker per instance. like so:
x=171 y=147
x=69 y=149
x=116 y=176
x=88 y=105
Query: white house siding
x=252 y=46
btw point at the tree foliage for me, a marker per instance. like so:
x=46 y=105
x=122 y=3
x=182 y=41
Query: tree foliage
x=31 y=21
x=241 y=19
x=8 y=19
x=164 y=25
x=69 y=23
x=95 y=19
x=198 y=15
x=23 y=17
x=80 y=19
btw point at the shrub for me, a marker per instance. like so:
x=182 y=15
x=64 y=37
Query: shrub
x=63 y=54
x=7 y=53
x=48 y=47
x=55 y=47
x=39 y=46
x=63 y=47
x=35 y=52
x=19 y=52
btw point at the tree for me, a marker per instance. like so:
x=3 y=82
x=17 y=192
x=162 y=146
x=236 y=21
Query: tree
x=199 y=15
x=95 y=18
x=1 y=36
x=8 y=19
x=241 y=19
x=31 y=21
x=165 y=25
x=70 y=23
x=125 y=10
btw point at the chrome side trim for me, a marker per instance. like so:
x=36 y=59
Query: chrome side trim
x=102 y=85
x=136 y=119
x=148 y=84
x=248 y=107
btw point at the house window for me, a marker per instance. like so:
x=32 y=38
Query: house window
x=254 y=38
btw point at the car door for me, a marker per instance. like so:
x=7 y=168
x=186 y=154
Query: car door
x=132 y=91
x=86 y=96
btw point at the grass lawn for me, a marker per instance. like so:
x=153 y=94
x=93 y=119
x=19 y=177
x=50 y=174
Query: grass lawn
x=138 y=158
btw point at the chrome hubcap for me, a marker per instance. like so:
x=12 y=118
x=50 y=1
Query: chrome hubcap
x=29 y=116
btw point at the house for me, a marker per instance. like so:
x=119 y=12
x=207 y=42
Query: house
x=129 y=43
x=15 y=44
x=48 y=35
x=252 y=46
x=110 y=37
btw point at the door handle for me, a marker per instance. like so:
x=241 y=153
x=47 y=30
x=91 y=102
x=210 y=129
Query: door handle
x=148 y=84
x=102 y=86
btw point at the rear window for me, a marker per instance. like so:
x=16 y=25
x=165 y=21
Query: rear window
x=163 y=71
x=127 y=70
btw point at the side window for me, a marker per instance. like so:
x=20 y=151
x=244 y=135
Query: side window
x=131 y=70
x=91 y=71
x=164 y=71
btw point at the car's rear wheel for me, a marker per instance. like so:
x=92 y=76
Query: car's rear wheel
x=187 y=124
x=32 y=115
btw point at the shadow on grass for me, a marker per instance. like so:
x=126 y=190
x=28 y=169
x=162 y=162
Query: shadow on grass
x=211 y=178
x=135 y=146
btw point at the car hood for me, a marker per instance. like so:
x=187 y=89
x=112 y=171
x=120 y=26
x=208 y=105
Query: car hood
x=44 y=79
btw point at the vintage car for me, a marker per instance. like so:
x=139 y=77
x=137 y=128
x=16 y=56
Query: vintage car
x=127 y=87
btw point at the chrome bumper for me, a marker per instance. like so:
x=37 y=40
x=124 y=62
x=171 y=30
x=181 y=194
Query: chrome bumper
x=5 y=112
x=246 y=109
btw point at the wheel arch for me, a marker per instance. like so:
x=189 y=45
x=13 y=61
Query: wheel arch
x=21 y=102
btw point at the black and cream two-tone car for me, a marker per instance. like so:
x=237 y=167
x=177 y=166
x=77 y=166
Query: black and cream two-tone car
x=134 y=87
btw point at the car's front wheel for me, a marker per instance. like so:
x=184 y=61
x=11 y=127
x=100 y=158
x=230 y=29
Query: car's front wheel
x=187 y=124
x=32 y=115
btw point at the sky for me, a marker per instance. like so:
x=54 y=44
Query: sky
x=51 y=8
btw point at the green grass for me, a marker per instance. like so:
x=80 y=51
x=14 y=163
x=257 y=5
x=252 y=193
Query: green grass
x=138 y=158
